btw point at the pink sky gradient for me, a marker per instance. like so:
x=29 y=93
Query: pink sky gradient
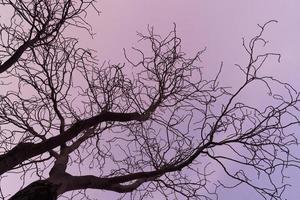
x=217 y=25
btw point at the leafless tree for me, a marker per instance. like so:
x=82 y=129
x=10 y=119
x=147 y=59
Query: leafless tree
x=163 y=128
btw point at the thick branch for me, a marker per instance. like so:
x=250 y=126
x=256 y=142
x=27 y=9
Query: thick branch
x=18 y=53
x=25 y=151
x=71 y=183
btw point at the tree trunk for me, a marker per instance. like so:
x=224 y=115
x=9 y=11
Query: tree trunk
x=38 y=190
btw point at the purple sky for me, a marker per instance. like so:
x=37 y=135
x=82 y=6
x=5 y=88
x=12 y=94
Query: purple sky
x=217 y=25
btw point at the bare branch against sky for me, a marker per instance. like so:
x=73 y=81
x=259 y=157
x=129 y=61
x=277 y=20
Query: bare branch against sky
x=156 y=125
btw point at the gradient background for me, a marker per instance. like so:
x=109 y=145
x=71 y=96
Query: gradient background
x=217 y=25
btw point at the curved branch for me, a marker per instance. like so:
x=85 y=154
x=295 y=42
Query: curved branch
x=28 y=150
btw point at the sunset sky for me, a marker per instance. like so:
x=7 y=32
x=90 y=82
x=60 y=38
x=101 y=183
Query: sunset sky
x=217 y=25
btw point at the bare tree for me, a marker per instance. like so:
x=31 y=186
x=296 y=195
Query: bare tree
x=162 y=128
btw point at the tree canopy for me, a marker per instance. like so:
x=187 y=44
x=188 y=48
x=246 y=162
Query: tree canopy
x=153 y=124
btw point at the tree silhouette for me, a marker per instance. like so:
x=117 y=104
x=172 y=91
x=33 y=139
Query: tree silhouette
x=152 y=125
